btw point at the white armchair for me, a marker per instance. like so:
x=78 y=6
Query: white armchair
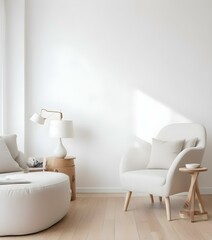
x=136 y=176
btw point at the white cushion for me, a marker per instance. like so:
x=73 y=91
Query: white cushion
x=190 y=143
x=145 y=180
x=7 y=163
x=11 y=143
x=29 y=208
x=163 y=153
x=21 y=160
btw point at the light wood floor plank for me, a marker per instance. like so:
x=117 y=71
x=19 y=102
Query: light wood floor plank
x=125 y=227
x=108 y=230
x=97 y=220
x=79 y=224
x=101 y=217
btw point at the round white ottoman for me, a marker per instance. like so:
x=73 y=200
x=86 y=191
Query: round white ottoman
x=32 y=207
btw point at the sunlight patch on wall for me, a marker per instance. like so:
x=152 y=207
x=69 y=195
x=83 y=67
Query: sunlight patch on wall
x=150 y=115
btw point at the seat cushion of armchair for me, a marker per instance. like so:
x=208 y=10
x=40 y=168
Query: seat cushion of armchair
x=145 y=180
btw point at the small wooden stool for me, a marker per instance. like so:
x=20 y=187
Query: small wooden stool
x=189 y=208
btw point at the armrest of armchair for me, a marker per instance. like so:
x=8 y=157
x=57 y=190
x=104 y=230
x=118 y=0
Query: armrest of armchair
x=137 y=157
x=175 y=178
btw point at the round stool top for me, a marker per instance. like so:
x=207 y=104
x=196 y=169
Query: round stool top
x=192 y=170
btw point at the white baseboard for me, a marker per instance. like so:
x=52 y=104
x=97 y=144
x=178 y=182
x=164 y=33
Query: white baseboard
x=99 y=190
x=204 y=190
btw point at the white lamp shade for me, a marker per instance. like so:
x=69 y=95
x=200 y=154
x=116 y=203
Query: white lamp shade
x=61 y=128
x=37 y=118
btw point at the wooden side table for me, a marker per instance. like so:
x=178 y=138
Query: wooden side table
x=189 y=209
x=63 y=165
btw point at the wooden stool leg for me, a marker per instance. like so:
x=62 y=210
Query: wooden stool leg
x=192 y=205
x=199 y=198
x=202 y=214
x=127 y=200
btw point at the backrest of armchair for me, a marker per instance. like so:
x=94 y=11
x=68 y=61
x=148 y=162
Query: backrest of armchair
x=179 y=131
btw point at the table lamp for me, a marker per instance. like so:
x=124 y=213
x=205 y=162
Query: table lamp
x=38 y=118
x=58 y=129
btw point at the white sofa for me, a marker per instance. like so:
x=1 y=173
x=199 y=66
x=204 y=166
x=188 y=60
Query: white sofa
x=33 y=206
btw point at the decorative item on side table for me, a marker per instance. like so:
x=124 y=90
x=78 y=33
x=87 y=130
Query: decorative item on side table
x=189 y=206
x=36 y=164
x=63 y=165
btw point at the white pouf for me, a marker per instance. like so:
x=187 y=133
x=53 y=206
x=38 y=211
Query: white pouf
x=29 y=208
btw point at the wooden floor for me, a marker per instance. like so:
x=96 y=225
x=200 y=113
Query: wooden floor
x=101 y=217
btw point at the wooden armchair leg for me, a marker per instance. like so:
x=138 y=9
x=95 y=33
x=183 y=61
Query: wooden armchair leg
x=127 y=200
x=168 y=208
x=152 y=198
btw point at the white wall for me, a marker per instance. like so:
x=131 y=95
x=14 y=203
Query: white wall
x=2 y=46
x=99 y=62
x=14 y=70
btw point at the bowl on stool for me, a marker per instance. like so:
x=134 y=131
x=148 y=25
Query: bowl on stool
x=192 y=165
